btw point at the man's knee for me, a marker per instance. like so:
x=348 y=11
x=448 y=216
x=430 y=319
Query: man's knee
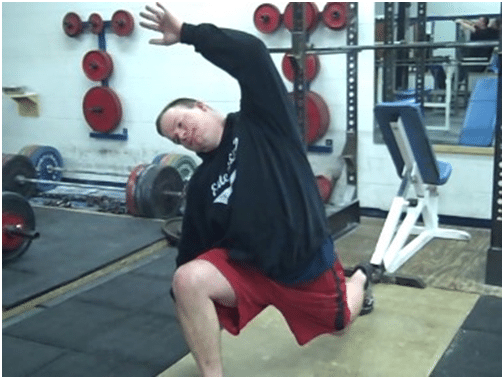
x=201 y=278
x=188 y=278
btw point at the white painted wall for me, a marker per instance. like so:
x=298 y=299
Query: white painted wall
x=36 y=53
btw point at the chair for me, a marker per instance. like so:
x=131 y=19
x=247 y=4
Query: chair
x=403 y=130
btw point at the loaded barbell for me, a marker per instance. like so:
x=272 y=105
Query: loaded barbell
x=152 y=190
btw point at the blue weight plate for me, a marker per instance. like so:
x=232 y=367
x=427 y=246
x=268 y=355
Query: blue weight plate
x=43 y=158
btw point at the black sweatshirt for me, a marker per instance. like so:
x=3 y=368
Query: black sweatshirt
x=256 y=193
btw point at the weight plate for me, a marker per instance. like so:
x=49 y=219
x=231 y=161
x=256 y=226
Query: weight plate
x=96 y=23
x=311 y=16
x=18 y=165
x=173 y=230
x=102 y=109
x=44 y=158
x=122 y=23
x=16 y=211
x=317 y=117
x=184 y=164
x=334 y=15
x=143 y=189
x=267 y=18
x=312 y=67
x=325 y=187
x=131 y=187
x=158 y=202
x=97 y=65
x=72 y=24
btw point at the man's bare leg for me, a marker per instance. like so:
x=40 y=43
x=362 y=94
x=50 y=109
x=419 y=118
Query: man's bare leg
x=196 y=285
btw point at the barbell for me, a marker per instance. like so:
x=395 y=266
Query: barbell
x=399 y=45
x=152 y=190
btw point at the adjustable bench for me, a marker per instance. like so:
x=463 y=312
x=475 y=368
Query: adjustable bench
x=403 y=130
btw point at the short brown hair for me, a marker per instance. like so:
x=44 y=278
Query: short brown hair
x=183 y=101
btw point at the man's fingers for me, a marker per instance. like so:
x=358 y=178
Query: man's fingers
x=154 y=11
x=150 y=26
x=161 y=6
x=148 y=16
x=156 y=41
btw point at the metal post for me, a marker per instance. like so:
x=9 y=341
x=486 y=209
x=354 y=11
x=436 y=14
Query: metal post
x=402 y=54
x=421 y=53
x=298 y=61
x=388 y=55
x=494 y=254
x=350 y=150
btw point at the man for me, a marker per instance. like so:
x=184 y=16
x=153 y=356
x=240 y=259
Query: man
x=479 y=32
x=254 y=231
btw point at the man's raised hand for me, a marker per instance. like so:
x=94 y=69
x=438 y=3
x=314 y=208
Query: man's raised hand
x=163 y=22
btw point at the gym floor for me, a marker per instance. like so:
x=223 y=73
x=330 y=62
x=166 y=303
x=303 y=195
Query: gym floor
x=90 y=298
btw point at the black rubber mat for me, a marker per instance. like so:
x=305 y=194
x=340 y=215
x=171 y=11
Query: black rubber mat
x=476 y=349
x=123 y=327
x=72 y=244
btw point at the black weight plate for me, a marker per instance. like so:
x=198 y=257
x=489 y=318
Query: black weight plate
x=17 y=165
x=142 y=189
x=163 y=205
x=15 y=211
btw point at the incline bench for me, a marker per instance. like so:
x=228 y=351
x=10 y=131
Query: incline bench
x=403 y=130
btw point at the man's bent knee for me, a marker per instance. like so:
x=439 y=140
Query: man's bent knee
x=200 y=277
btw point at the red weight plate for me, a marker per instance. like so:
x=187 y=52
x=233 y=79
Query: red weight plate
x=122 y=23
x=316 y=117
x=97 y=65
x=96 y=23
x=312 y=66
x=131 y=189
x=72 y=24
x=317 y=114
x=311 y=16
x=325 y=187
x=267 y=18
x=102 y=109
x=334 y=15
x=10 y=241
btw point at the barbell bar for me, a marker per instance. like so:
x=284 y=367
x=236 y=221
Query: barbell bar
x=50 y=169
x=414 y=45
x=21 y=179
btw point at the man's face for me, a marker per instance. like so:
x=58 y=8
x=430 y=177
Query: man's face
x=481 y=23
x=198 y=129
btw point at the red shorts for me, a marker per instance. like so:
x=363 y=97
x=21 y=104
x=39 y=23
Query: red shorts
x=311 y=309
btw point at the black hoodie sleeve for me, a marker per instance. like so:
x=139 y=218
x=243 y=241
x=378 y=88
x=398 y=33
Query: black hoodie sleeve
x=247 y=59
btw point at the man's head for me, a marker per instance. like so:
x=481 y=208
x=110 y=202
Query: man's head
x=482 y=22
x=191 y=123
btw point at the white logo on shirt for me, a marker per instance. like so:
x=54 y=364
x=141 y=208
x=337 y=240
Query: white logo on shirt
x=225 y=179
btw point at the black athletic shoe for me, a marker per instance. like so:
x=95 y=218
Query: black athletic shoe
x=367 y=305
x=367 y=269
